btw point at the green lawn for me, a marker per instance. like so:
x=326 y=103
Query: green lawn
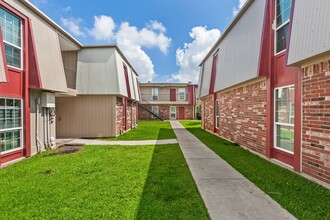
x=301 y=197
x=147 y=130
x=102 y=182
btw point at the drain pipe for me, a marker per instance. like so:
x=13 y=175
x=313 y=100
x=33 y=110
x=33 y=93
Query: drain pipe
x=132 y=114
x=47 y=124
x=37 y=100
x=44 y=127
x=51 y=121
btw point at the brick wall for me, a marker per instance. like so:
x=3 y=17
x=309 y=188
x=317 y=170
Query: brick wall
x=316 y=121
x=119 y=110
x=208 y=112
x=129 y=115
x=242 y=115
x=164 y=111
x=134 y=113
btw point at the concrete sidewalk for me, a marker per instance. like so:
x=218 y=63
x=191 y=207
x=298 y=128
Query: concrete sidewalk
x=226 y=193
x=60 y=142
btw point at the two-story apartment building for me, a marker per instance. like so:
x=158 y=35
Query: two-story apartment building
x=169 y=101
x=265 y=84
x=39 y=64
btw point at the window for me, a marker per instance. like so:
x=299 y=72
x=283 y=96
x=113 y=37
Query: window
x=12 y=36
x=284 y=118
x=154 y=94
x=154 y=109
x=217 y=118
x=172 y=112
x=10 y=124
x=282 y=11
x=182 y=94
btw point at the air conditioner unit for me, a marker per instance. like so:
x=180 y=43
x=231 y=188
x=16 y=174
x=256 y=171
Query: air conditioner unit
x=47 y=100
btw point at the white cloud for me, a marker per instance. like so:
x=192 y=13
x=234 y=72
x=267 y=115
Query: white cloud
x=73 y=25
x=131 y=40
x=191 y=55
x=67 y=8
x=103 y=27
x=240 y=5
x=155 y=25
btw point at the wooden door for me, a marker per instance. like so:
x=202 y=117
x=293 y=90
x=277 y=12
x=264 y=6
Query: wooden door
x=173 y=95
x=181 y=113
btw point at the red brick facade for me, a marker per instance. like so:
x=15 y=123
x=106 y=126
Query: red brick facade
x=130 y=115
x=164 y=111
x=242 y=114
x=243 y=118
x=207 y=112
x=316 y=121
x=119 y=121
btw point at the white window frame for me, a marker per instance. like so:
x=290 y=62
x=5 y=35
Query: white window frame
x=155 y=110
x=181 y=90
x=154 y=93
x=15 y=128
x=278 y=28
x=172 y=112
x=20 y=48
x=280 y=123
x=216 y=114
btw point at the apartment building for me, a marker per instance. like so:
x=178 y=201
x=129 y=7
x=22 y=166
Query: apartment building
x=167 y=101
x=265 y=84
x=48 y=83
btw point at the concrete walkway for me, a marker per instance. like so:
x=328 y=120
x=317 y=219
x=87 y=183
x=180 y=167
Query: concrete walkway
x=226 y=193
x=60 y=142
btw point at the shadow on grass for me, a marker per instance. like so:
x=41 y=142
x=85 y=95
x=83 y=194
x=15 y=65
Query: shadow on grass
x=169 y=191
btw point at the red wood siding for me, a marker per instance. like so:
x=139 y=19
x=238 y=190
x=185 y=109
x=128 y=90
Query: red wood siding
x=173 y=95
x=213 y=74
x=127 y=82
x=281 y=75
x=34 y=80
x=181 y=113
x=17 y=86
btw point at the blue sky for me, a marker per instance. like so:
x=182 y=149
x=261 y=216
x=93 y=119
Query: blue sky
x=164 y=40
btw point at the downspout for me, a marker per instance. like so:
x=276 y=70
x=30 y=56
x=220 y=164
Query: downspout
x=38 y=142
x=132 y=114
x=47 y=128
x=44 y=127
x=194 y=103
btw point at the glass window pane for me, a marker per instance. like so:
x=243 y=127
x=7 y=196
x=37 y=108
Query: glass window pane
x=9 y=102
x=2 y=103
x=11 y=27
x=284 y=105
x=2 y=141
x=13 y=56
x=11 y=32
x=281 y=36
x=285 y=137
x=283 y=9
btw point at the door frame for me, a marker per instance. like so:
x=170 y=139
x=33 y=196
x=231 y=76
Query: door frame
x=174 y=112
x=216 y=103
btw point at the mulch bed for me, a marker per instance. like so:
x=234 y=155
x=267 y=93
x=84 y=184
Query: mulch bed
x=66 y=149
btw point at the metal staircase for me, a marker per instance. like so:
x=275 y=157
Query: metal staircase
x=148 y=109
